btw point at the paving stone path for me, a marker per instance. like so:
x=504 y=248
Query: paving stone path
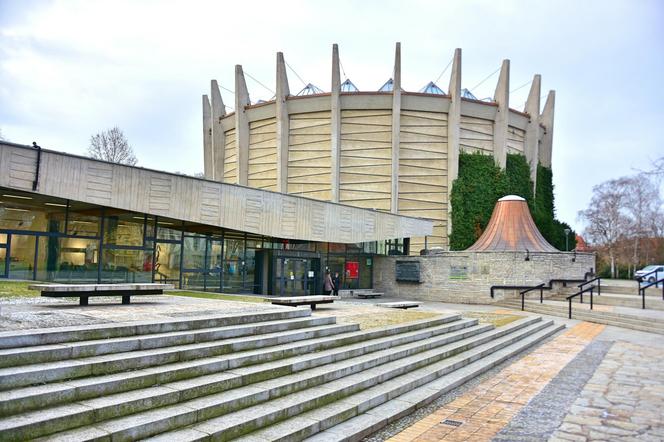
x=545 y=412
x=623 y=401
x=485 y=410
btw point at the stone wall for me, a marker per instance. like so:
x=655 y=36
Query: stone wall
x=466 y=277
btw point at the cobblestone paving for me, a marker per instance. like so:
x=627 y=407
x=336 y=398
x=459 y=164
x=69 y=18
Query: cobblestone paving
x=486 y=409
x=623 y=401
x=545 y=412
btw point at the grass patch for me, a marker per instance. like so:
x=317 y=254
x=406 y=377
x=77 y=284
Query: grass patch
x=217 y=296
x=17 y=289
x=375 y=320
x=497 y=319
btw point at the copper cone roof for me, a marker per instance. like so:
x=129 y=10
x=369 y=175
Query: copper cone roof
x=511 y=228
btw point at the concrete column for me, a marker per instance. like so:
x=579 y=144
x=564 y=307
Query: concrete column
x=283 y=124
x=218 y=136
x=531 y=147
x=546 y=118
x=335 y=123
x=500 y=125
x=208 y=166
x=241 y=125
x=453 y=131
x=396 y=128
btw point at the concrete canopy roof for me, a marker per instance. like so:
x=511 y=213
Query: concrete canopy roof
x=198 y=200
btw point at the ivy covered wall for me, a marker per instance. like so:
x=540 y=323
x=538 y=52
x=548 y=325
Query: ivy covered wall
x=481 y=183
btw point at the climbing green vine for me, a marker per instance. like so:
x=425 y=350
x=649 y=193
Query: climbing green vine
x=481 y=183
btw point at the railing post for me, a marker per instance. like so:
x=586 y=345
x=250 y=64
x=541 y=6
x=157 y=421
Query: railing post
x=599 y=287
x=570 y=307
x=581 y=297
x=523 y=301
x=541 y=295
x=643 y=298
x=591 y=297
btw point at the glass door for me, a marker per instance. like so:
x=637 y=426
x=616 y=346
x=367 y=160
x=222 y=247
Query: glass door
x=295 y=276
x=21 y=253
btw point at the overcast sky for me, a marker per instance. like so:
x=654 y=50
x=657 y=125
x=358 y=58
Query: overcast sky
x=69 y=69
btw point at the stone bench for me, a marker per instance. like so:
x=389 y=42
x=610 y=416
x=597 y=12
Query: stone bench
x=360 y=293
x=295 y=301
x=400 y=304
x=84 y=291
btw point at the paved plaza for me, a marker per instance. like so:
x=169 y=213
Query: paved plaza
x=589 y=382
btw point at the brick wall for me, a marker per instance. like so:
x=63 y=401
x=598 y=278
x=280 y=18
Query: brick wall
x=466 y=277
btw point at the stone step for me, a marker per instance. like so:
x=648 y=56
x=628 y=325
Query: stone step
x=304 y=413
x=24 y=375
x=634 y=322
x=81 y=349
x=652 y=302
x=57 y=335
x=367 y=423
x=214 y=411
x=308 y=371
x=353 y=343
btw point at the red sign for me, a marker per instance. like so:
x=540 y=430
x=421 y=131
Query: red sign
x=352 y=269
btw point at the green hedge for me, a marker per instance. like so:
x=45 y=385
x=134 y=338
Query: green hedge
x=481 y=183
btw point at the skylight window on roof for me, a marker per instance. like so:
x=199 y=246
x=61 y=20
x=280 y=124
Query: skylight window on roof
x=432 y=88
x=387 y=87
x=348 y=86
x=465 y=93
x=310 y=89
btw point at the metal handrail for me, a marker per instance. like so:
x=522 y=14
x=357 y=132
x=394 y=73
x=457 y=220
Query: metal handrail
x=642 y=290
x=599 y=284
x=541 y=288
x=514 y=287
x=580 y=294
x=642 y=277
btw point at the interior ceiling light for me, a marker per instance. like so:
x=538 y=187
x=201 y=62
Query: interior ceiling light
x=19 y=197
x=16 y=210
x=165 y=223
x=55 y=204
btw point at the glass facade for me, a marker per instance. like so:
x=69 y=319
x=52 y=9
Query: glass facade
x=47 y=239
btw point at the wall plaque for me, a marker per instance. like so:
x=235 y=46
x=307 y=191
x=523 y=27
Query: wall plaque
x=408 y=271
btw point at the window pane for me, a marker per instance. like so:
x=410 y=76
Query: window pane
x=22 y=257
x=82 y=225
x=3 y=238
x=123 y=230
x=67 y=259
x=26 y=215
x=233 y=249
x=233 y=276
x=216 y=259
x=194 y=252
x=167 y=262
x=164 y=232
x=126 y=265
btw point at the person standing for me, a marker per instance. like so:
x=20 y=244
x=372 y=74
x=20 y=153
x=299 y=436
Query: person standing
x=328 y=285
x=336 y=282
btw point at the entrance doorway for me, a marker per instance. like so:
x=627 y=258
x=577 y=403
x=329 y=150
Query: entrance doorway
x=296 y=276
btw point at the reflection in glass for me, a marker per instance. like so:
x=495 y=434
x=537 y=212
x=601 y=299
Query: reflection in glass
x=22 y=257
x=122 y=265
x=67 y=259
x=167 y=262
x=123 y=230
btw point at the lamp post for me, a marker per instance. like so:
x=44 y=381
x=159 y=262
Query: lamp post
x=567 y=239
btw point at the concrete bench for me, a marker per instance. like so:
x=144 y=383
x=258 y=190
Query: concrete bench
x=400 y=304
x=84 y=291
x=360 y=293
x=295 y=301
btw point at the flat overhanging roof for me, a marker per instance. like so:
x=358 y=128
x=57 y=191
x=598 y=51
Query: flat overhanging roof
x=198 y=200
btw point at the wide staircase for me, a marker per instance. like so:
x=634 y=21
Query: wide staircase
x=265 y=376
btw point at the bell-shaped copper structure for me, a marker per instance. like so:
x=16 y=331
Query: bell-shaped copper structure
x=511 y=228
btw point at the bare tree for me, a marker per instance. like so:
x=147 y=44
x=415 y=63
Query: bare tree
x=643 y=205
x=112 y=145
x=606 y=221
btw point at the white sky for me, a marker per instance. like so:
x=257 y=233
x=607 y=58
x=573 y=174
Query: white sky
x=69 y=69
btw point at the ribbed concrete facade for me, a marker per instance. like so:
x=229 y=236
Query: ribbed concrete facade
x=391 y=151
